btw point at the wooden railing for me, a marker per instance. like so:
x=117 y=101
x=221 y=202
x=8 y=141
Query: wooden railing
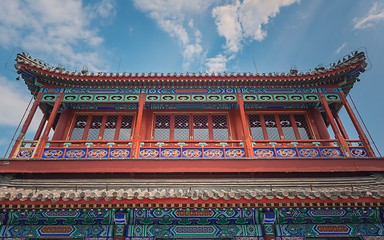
x=79 y=149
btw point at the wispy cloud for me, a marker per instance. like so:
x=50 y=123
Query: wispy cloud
x=340 y=48
x=374 y=16
x=176 y=17
x=241 y=22
x=12 y=98
x=58 y=30
x=216 y=64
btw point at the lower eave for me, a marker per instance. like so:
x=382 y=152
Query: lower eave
x=191 y=165
x=189 y=203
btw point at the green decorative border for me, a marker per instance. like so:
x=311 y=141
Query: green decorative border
x=49 y=98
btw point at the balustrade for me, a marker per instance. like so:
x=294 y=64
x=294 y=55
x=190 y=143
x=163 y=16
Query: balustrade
x=120 y=149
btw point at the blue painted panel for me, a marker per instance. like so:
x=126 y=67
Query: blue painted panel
x=120 y=153
x=53 y=153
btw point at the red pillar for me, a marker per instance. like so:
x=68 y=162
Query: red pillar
x=358 y=128
x=44 y=137
x=137 y=135
x=40 y=128
x=341 y=140
x=247 y=137
x=26 y=125
x=340 y=125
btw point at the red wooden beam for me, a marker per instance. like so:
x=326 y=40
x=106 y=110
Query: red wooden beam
x=247 y=137
x=358 y=128
x=191 y=165
x=26 y=124
x=339 y=136
x=44 y=137
x=137 y=130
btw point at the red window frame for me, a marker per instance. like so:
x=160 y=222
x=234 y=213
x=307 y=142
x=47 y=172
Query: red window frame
x=276 y=115
x=190 y=121
x=104 y=117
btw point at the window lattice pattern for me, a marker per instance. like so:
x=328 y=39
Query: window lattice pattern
x=162 y=127
x=302 y=126
x=220 y=127
x=290 y=126
x=271 y=126
x=78 y=130
x=286 y=126
x=94 y=129
x=256 y=128
x=110 y=128
x=190 y=126
x=200 y=127
x=125 y=128
x=181 y=127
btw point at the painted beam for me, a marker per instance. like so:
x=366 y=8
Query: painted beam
x=191 y=165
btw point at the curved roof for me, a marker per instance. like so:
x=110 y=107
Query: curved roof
x=342 y=74
x=331 y=188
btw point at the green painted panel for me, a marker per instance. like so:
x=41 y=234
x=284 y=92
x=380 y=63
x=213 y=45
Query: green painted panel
x=70 y=98
x=49 y=98
x=86 y=97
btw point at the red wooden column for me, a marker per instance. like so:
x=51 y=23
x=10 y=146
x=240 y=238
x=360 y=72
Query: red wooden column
x=26 y=124
x=136 y=137
x=44 y=136
x=340 y=125
x=41 y=127
x=247 y=137
x=339 y=136
x=358 y=128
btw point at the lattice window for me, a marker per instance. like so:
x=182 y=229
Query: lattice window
x=78 y=130
x=271 y=127
x=125 y=127
x=302 y=126
x=181 y=127
x=200 y=127
x=110 y=128
x=220 y=127
x=162 y=127
x=94 y=128
x=287 y=127
x=256 y=127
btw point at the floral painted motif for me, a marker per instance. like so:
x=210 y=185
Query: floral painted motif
x=359 y=152
x=213 y=153
x=288 y=152
x=235 y=153
x=97 y=153
x=25 y=153
x=53 y=153
x=263 y=153
x=75 y=153
x=192 y=153
x=330 y=152
x=170 y=153
x=309 y=152
x=119 y=153
x=150 y=153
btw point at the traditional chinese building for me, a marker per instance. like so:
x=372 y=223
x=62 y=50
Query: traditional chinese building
x=191 y=156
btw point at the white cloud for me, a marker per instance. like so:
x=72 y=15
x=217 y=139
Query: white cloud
x=176 y=18
x=55 y=29
x=340 y=48
x=243 y=21
x=216 y=64
x=374 y=16
x=14 y=103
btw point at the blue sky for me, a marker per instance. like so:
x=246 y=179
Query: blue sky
x=192 y=36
